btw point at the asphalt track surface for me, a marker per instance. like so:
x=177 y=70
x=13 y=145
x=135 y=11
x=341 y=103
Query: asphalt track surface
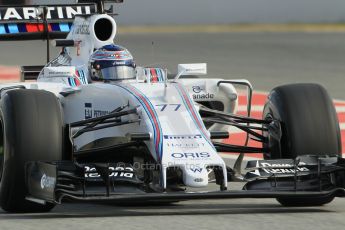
x=267 y=60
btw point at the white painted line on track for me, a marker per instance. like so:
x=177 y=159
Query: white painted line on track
x=342 y=126
x=340 y=109
x=228 y=156
x=255 y=108
x=339 y=101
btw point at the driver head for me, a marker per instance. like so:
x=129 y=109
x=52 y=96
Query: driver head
x=112 y=63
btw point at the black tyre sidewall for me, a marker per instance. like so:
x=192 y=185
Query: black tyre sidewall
x=309 y=126
x=32 y=131
x=308 y=118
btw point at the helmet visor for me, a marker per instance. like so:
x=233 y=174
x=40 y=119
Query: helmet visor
x=118 y=73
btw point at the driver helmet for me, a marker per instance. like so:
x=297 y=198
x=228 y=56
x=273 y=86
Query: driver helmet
x=112 y=63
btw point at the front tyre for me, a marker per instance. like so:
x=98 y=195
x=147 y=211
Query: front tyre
x=309 y=126
x=31 y=130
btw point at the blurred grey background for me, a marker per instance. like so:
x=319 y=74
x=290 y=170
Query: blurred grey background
x=153 y=12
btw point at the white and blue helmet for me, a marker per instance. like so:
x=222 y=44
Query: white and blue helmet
x=112 y=63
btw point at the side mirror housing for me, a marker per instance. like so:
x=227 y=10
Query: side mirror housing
x=191 y=69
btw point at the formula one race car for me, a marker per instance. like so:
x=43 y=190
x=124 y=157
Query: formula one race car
x=92 y=126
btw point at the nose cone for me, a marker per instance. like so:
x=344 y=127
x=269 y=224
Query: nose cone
x=195 y=176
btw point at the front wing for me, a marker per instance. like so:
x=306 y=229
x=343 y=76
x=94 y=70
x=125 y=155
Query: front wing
x=307 y=177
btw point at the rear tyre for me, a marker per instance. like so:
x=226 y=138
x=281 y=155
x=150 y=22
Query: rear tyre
x=31 y=130
x=309 y=126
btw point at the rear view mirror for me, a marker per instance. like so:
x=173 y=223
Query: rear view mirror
x=191 y=69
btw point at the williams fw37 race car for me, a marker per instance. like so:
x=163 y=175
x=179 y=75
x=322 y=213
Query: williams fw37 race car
x=92 y=126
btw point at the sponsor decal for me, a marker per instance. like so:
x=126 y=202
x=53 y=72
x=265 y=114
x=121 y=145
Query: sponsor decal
x=82 y=29
x=99 y=113
x=52 y=73
x=197 y=89
x=88 y=110
x=278 y=168
x=61 y=71
x=115 y=63
x=282 y=168
x=53 y=12
x=269 y=165
x=191 y=155
x=196 y=169
x=185 y=145
x=92 y=113
x=203 y=96
x=47 y=181
x=118 y=55
x=285 y=171
x=198 y=96
x=123 y=172
x=197 y=136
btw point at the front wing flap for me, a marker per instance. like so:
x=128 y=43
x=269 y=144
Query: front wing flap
x=301 y=166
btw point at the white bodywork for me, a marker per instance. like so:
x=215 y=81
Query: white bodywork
x=168 y=110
